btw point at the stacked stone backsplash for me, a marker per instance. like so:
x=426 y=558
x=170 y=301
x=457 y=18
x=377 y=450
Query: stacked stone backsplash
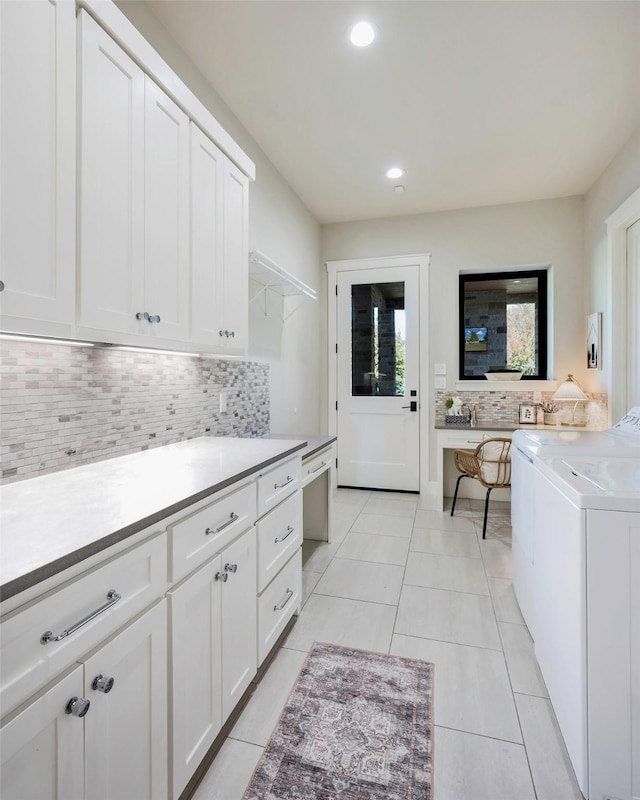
x=63 y=406
x=504 y=407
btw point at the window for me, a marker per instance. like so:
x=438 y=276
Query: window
x=503 y=324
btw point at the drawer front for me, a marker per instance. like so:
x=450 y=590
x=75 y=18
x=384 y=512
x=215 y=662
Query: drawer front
x=278 y=603
x=138 y=576
x=196 y=538
x=277 y=484
x=279 y=534
x=315 y=466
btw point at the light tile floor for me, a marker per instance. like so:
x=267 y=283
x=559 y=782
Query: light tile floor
x=420 y=583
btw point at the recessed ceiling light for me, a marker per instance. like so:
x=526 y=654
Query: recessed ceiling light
x=362 y=34
x=395 y=172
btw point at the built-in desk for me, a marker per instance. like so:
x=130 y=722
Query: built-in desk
x=318 y=479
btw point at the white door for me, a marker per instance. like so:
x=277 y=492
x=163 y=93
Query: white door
x=378 y=378
x=42 y=747
x=111 y=184
x=633 y=315
x=126 y=727
x=37 y=160
x=166 y=215
x=233 y=293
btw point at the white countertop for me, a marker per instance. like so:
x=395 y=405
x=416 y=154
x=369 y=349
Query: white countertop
x=54 y=521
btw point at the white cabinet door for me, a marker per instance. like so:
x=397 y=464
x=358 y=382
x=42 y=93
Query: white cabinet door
x=206 y=237
x=37 y=161
x=196 y=680
x=126 y=728
x=234 y=291
x=111 y=184
x=42 y=747
x=239 y=620
x=166 y=215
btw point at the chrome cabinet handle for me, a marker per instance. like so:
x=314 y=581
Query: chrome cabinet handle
x=227 y=333
x=142 y=315
x=1 y=286
x=285 y=601
x=112 y=598
x=282 y=485
x=222 y=576
x=102 y=683
x=311 y=471
x=153 y=318
x=287 y=534
x=230 y=567
x=148 y=317
x=232 y=518
x=77 y=706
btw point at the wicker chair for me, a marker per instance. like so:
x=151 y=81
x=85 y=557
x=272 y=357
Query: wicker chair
x=489 y=463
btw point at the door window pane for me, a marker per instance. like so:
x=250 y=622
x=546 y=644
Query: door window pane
x=377 y=339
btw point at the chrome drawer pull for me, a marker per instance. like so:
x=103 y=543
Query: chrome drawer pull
x=112 y=597
x=279 y=539
x=285 y=601
x=232 y=518
x=222 y=576
x=317 y=469
x=230 y=567
x=282 y=485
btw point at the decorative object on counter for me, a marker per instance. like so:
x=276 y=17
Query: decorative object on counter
x=594 y=337
x=357 y=724
x=503 y=375
x=550 y=411
x=527 y=414
x=454 y=415
x=490 y=464
x=473 y=418
x=571 y=391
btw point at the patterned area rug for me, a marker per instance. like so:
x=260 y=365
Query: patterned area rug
x=357 y=725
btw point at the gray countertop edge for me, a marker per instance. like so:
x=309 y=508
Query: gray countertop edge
x=315 y=442
x=17 y=585
x=321 y=446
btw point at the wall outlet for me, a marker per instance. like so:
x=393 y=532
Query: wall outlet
x=440 y=383
x=223 y=401
x=439 y=369
x=537 y=397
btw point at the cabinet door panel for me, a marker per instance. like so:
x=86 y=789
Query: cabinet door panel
x=207 y=166
x=42 y=747
x=194 y=611
x=126 y=731
x=235 y=259
x=166 y=214
x=239 y=641
x=111 y=184
x=37 y=159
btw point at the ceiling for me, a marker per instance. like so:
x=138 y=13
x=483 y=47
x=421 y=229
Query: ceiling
x=481 y=103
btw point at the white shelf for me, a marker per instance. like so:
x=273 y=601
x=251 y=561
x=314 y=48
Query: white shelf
x=276 y=279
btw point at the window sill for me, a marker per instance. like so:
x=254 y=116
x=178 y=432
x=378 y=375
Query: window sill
x=506 y=386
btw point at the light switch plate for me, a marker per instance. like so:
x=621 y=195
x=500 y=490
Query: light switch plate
x=440 y=383
x=439 y=369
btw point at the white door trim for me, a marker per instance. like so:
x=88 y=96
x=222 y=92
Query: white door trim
x=615 y=322
x=422 y=261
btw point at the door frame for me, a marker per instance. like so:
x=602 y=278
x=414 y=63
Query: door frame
x=422 y=261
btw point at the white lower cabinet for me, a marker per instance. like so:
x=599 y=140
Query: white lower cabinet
x=213 y=651
x=113 y=741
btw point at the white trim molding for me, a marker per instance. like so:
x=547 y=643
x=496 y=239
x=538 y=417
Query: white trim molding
x=615 y=322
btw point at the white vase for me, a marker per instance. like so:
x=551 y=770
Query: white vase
x=550 y=417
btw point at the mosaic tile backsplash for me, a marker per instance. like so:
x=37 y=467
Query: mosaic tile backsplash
x=64 y=406
x=504 y=407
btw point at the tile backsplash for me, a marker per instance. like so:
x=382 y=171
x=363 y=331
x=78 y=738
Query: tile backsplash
x=63 y=406
x=504 y=407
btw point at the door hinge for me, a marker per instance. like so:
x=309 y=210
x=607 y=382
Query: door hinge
x=336 y=288
x=336 y=347
x=336 y=463
x=336 y=405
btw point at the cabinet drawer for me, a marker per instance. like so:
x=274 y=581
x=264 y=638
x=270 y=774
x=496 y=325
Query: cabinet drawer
x=278 y=603
x=277 y=484
x=279 y=533
x=138 y=576
x=315 y=466
x=195 y=539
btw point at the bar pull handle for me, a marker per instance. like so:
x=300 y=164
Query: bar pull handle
x=112 y=599
x=317 y=469
x=288 y=597
x=282 y=485
x=279 y=539
x=232 y=518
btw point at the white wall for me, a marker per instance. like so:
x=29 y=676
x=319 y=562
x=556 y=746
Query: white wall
x=618 y=182
x=283 y=229
x=540 y=232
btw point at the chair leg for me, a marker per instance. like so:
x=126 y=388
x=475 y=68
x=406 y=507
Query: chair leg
x=455 y=494
x=486 y=509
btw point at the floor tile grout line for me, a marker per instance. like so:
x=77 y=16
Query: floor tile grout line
x=404 y=572
x=479 y=735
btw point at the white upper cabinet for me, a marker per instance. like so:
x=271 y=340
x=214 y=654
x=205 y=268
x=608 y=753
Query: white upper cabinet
x=219 y=247
x=134 y=200
x=111 y=184
x=37 y=164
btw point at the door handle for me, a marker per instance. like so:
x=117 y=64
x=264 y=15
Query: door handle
x=413 y=405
